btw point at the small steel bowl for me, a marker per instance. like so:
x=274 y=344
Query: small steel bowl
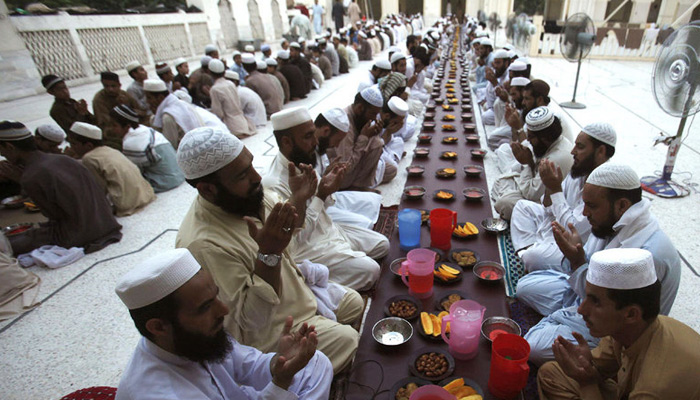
x=489 y=271
x=504 y=324
x=414 y=192
x=478 y=153
x=17 y=229
x=473 y=171
x=392 y=331
x=474 y=193
x=415 y=170
x=13 y=202
x=395 y=266
x=494 y=225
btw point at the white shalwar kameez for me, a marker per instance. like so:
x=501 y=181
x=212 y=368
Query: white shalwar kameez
x=156 y=374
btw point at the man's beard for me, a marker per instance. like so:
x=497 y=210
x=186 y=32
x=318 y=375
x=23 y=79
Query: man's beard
x=606 y=231
x=540 y=150
x=584 y=167
x=298 y=156
x=323 y=143
x=198 y=347
x=242 y=206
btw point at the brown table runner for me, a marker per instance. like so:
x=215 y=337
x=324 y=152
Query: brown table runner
x=395 y=361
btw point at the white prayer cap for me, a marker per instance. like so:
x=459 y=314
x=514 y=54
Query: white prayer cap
x=362 y=34
x=508 y=46
x=394 y=49
x=295 y=45
x=500 y=53
x=183 y=95
x=260 y=64
x=11 y=131
x=232 y=75
x=132 y=66
x=265 y=47
x=156 y=277
x=210 y=48
x=398 y=55
x=486 y=42
x=398 y=106
x=435 y=35
x=373 y=32
x=373 y=95
x=88 y=130
x=519 y=81
x=51 y=132
x=622 y=269
x=271 y=61
x=236 y=53
x=482 y=34
x=216 y=66
x=338 y=118
x=301 y=40
x=204 y=61
x=511 y=53
x=539 y=118
x=321 y=41
x=336 y=36
x=289 y=118
x=248 y=58
x=162 y=68
x=154 y=85
x=311 y=44
x=283 y=55
x=205 y=150
x=383 y=64
x=614 y=176
x=249 y=48
x=601 y=131
x=477 y=40
x=517 y=65
x=179 y=61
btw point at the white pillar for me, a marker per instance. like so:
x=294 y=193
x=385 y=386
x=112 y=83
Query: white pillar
x=390 y=7
x=432 y=10
x=599 y=8
x=640 y=11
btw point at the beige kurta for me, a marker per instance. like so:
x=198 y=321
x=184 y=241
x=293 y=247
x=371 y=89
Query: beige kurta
x=121 y=179
x=226 y=105
x=354 y=12
x=220 y=242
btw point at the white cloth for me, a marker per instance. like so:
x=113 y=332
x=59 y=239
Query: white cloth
x=328 y=294
x=353 y=58
x=139 y=145
x=153 y=373
x=187 y=116
x=253 y=106
x=51 y=256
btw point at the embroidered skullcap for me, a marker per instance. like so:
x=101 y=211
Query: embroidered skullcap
x=86 y=130
x=289 y=118
x=109 y=76
x=519 y=81
x=232 y=75
x=477 y=40
x=321 y=41
x=601 y=131
x=283 y=55
x=205 y=150
x=154 y=85
x=398 y=106
x=295 y=45
x=236 y=53
x=362 y=34
x=183 y=95
x=614 y=176
x=390 y=83
x=398 y=55
x=383 y=64
x=179 y=61
x=156 y=277
x=500 y=53
x=435 y=35
x=216 y=66
x=162 y=68
x=49 y=81
x=539 y=118
x=373 y=95
x=204 y=61
x=249 y=48
x=338 y=118
x=517 y=65
x=132 y=66
x=210 y=48
x=622 y=269
x=11 y=131
x=248 y=58
x=271 y=61
x=261 y=65
x=126 y=112
x=486 y=42
x=51 y=132
x=265 y=47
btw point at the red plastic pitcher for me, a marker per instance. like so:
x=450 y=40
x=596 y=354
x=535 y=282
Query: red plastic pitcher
x=431 y=392
x=509 y=369
x=419 y=267
x=442 y=223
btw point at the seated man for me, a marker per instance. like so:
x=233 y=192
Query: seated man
x=48 y=137
x=165 y=73
x=148 y=149
x=347 y=251
x=109 y=97
x=182 y=79
x=362 y=147
x=272 y=70
x=512 y=108
x=379 y=70
x=65 y=110
x=119 y=177
x=240 y=234
x=524 y=182
x=184 y=352
x=495 y=75
x=265 y=85
x=139 y=74
x=531 y=222
x=251 y=104
x=393 y=116
x=65 y=191
x=298 y=86
x=619 y=217
x=225 y=103
x=641 y=354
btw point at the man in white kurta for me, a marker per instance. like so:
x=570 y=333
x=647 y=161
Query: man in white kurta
x=252 y=105
x=531 y=222
x=225 y=103
x=165 y=365
x=347 y=251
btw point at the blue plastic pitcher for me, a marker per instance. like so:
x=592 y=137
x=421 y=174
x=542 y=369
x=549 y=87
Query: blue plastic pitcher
x=409 y=229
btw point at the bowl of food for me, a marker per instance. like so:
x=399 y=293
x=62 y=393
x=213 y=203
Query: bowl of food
x=432 y=363
x=469 y=128
x=13 y=202
x=489 y=271
x=392 y=331
x=415 y=170
x=414 y=192
x=478 y=153
x=467 y=117
x=447 y=107
x=424 y=216
x=448 y=155
x=450 y=140
x=428 y=126
x=494 y=326
x=429 y=325
x=16 y=229
x=439 y=101
x=446 y=301
x=424 y=138
x=421 y=152
x=429 y=116
x=465 y=258
x=494 y=225
x=448 y=128
x=395 y=266
x=462 y=388
x=447 y=272
x=465 y=230
x=430 y=107
x=404 y=388
x=472 y=138
x=473 y=171
x=402 y=306
x=445 y=173
x=466 y=108
x=448 y=117
x=444 y=195
x=473 y=193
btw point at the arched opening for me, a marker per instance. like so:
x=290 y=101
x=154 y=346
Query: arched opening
x=228 y=24
x=256 y=25
x=276 y=19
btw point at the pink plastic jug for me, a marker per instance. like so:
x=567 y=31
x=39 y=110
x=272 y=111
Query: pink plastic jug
x=419 y=268
x=465 y=326
x=431 y=392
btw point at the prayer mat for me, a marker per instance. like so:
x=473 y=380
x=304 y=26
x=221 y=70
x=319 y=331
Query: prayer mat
x=511 y=262
x=92 y=393
x=386 y=222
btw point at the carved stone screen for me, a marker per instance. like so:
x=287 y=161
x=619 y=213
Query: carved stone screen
x=54 y=53
x=167 y=42
x=110 y=49
x=200 y=36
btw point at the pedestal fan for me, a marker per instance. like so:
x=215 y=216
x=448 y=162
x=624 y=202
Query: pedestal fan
x=575 y=44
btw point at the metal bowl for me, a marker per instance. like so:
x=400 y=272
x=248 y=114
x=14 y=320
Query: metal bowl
x=473 y=193
x=494 y=225
x=17 y=229
x=395 y=266
x=13 y=202
x=489 y=271
x=504 y=324
x=392 y=331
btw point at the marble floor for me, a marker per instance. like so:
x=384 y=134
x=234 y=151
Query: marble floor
x=81 y=335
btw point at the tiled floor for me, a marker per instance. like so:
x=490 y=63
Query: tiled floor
x=83 y=336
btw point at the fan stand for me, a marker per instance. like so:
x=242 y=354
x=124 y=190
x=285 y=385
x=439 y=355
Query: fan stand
x=573 y=103
x=664 y=186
